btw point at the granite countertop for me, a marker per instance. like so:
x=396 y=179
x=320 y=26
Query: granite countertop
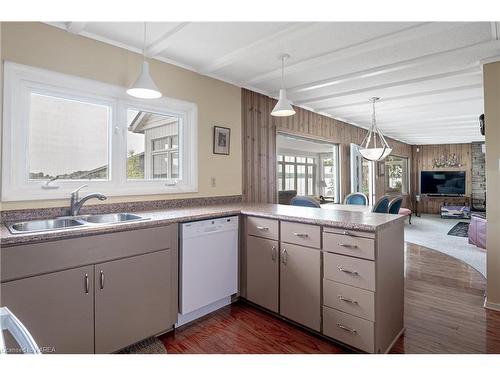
x=338 y=218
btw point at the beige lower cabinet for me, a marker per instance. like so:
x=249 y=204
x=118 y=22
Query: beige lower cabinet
x=262 y=269
x=300 y=285
x=94 y=294
x=57 y=309
x=132 y=300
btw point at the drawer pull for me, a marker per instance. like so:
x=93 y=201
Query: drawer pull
x=304 y=235
x=348 y=245
x=273 y=253
x=342 y=298
x=263 y=228
x=354 y=273
x=345 y=328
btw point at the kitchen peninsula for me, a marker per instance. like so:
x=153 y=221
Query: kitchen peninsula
x=336 y=272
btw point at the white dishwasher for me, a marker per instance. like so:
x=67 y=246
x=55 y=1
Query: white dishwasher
x=208 y=272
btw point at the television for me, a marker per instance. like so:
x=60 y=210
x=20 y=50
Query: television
x=442 y=183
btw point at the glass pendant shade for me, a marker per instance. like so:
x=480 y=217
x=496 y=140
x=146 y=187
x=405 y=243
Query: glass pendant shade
x=374 y=147
x=144 y=87
x=283 y=108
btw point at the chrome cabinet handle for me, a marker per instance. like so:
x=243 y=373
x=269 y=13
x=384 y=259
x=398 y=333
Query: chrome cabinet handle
x=342 y=298
x=262 y=228
x=273 y=253
x=348 y=245
x=300 y=234
x=342 y=269
x=101 y=279
x=284 y=256
x=345 y=328
x=87 y=283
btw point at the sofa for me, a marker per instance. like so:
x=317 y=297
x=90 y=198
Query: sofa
x=477 y=230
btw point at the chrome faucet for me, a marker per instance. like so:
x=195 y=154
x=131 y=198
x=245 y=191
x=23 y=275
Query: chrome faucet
x=76 y=203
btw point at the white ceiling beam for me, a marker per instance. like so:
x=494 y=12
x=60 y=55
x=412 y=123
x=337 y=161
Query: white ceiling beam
x=462 y=72
x=420 y=94
x=75 y=27
x=494 y=30
x=391 y=68
x=395 y=106
x=162 y=43
x=413 y=32
x=247 y=50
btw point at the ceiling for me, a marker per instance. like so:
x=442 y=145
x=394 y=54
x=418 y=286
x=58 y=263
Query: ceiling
x=428 y=74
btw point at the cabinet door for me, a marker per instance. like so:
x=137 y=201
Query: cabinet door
x=262 y=272
x=133 y=299
x=56 y=308
x=300 y=285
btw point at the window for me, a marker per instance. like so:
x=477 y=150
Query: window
x=396 y=175
x=82 y=131
x=67 y=139
x=299 y=174
x=309 y=167
x=152 y=146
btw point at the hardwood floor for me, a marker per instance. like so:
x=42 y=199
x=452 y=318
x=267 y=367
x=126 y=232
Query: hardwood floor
x=443 y=314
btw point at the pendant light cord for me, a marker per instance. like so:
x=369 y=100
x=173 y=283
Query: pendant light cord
x=144 y=44
x=283 y=72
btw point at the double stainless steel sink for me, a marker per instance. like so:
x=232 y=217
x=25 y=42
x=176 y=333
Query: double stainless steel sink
x=72 y=222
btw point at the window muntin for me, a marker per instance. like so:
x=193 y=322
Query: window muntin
x=396 y=174
x=68 y=139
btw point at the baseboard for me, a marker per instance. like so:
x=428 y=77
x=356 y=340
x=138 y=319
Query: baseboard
x=491 y=305
x=394 y=341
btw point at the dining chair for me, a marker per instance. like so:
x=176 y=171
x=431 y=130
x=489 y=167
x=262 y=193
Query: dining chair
x=356 y=198
x=304 y=202
x=382 y=205
x=395 y=205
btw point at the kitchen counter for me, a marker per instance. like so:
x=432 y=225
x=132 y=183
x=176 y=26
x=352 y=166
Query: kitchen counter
x=342 y=217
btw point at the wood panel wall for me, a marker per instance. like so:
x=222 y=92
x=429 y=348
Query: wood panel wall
x=422 y=160
x=259 y=131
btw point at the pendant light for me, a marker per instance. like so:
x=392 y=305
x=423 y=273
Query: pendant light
x=283 y=108
x=374 y=147
x=144 y=87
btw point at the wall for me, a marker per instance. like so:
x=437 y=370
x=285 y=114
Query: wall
x=259 y=130
x=478 y=190
x=422 y=160
x=491 y=81
x=219 y=103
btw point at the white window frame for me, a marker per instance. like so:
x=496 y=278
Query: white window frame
x=21 y=80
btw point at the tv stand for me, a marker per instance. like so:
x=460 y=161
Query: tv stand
x=431 y=204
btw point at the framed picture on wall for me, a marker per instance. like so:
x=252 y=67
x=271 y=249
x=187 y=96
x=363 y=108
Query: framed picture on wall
x=221 y=140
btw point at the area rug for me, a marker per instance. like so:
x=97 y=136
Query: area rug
x=431 y=231
x=460 y=229
x=151 y=345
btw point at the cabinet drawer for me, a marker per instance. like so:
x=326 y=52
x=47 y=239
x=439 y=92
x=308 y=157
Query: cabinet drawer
x=349 y=245
x=351 y=271
x=301 y=234
x=349 y=299
x=349 y=329
x=261 y=227
x=352 y=233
